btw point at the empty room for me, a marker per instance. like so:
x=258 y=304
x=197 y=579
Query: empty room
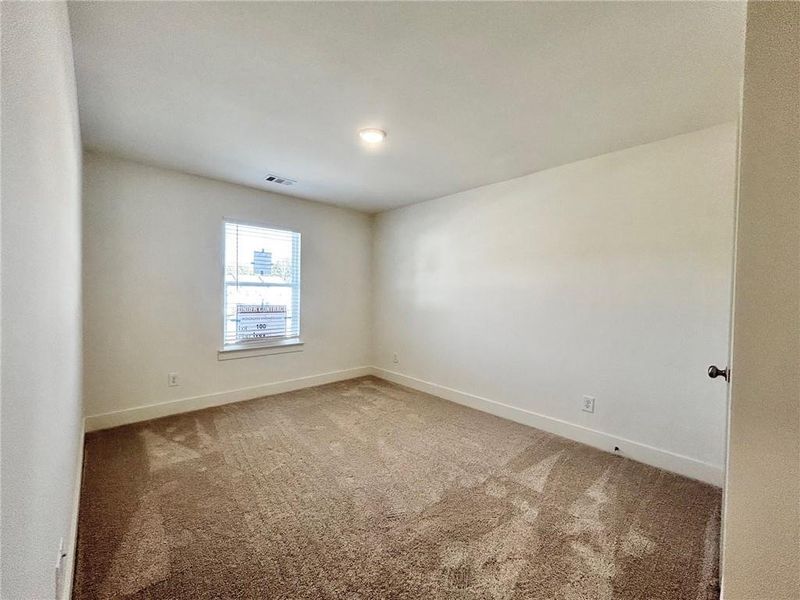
x=400 y=300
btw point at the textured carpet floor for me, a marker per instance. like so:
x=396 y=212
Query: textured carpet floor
x=367 y=490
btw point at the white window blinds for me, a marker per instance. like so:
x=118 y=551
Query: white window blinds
x=262 y=285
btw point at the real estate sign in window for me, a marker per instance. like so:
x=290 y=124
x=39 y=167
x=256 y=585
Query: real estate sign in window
x=262 y=286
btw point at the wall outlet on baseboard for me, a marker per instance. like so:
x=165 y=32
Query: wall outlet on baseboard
x=172 y=380
x=588 y=404
x=394 y=358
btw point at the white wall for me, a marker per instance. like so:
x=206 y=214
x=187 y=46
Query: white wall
x=153 y=288
x=608 y=277
x=41 y=301
x=761 y=550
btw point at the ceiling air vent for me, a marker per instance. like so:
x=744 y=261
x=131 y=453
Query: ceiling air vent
x=279 y=179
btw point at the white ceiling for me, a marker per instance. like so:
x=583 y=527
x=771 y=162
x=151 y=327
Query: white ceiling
x=469 y=93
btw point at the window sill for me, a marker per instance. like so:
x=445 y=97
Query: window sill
x=248 y=350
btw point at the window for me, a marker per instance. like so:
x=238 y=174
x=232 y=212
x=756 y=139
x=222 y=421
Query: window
x=262 y=286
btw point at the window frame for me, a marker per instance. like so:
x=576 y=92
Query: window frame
x=261 y=347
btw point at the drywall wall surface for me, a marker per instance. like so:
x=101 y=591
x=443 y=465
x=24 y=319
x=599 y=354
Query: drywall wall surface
x=608 y=277
x=153 y=286
x=41 y=297
x=761 y=549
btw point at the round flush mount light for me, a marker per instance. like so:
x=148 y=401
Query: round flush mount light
x=372 y=136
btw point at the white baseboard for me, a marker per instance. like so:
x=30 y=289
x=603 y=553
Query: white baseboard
x=68 y=573
x=174 y=407
x=656 y=457
x=663 y=459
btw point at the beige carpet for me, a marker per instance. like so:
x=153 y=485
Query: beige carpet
x=367 y=490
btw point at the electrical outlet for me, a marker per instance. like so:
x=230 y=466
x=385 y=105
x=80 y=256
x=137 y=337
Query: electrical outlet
x=394 y=358
x=172 y=380
x=588 y=404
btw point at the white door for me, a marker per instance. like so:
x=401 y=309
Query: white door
x=761 y=521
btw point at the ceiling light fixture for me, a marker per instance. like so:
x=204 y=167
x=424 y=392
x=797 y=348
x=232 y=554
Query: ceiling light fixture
x=372 y=136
